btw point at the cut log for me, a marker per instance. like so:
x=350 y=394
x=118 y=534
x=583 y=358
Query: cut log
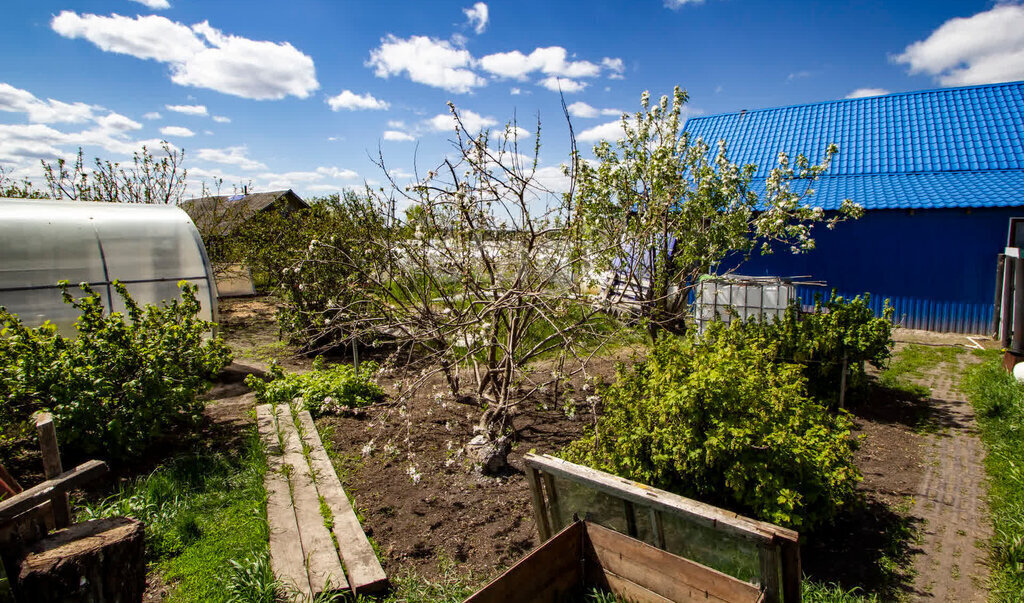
x=99 y=561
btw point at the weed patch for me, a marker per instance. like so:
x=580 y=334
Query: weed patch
x=205 y=517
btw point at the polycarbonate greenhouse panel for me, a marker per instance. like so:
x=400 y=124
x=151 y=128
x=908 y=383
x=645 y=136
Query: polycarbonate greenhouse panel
x=150 y=248
x=31 y=254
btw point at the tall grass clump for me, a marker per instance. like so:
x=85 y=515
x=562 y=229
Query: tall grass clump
x=206 y=528
x=998 y=399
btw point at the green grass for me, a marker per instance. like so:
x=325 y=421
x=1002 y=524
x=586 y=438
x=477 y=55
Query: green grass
x=999 y=402
x=201 y=512
x=911 y=362
x=817 y=592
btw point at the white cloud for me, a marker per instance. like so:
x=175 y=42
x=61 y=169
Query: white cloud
x=675 y=4
x=16 y=100
x=30 y=142
x=398 y=136
x=863 y=92
x=582 y=109
x=221 y=119
x=155 y=4
x=477 y=16
x=200 y=55
x=20 y=143
x=549 y=61
x=177 y=131
x=352 y=101
x=473 y=122
x=188 y=109
x=610 y=131
x=616 y=66
x=561 y=84
x=515 y=91
x=231 y=156
x=426 y=61
x=396 y=124
x=115 y=122
x=985 y=48
x=337 y=173
x=152 y=115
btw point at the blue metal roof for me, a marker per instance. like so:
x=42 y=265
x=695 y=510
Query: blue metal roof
x=952 y=147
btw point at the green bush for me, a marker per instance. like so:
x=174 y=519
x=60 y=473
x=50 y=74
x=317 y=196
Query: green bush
x=323 y=390
x=999 y=401
x=121 y=381
x=837 y=329
x=728 y=424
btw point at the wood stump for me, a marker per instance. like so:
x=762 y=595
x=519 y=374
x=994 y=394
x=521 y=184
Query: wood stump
x=98 y=561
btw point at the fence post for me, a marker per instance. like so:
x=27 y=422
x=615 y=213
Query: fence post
x=52 y=466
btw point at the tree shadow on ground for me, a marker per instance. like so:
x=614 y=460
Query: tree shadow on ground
x=870 y=546
x=908 y=405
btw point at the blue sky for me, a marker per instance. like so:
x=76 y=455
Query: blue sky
x=303 y=94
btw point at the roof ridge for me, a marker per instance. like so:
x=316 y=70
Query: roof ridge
x=852 y=100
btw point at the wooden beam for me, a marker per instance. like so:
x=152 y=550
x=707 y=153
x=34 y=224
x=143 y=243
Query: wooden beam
x=365 y=574
x=322 y=561
x=69 y=480
x=52 y=466
x=285 y=547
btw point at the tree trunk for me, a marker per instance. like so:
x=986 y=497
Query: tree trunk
x=98 y=561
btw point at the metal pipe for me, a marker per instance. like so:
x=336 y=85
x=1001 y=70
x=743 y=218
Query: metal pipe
x=1017 y=345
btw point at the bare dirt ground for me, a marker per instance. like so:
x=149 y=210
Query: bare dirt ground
x=950 y=497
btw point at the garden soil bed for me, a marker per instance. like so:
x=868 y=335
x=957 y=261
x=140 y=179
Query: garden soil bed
x=428 y=513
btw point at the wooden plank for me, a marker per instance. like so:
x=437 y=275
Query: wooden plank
x=322 y=562
x=792 y=574
x=365 y=574
x=286 y=557
x=28 y=526
x=668 y=575
x=540 y=513
x=69 y=480
x=771 y=570
x=549 y=573
x=634 y=593
x=692 y=510
x=52 y=466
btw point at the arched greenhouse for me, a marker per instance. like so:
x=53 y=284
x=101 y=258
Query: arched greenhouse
x=149 y=248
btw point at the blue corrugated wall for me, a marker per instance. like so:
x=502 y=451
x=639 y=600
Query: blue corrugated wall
x=937 y=267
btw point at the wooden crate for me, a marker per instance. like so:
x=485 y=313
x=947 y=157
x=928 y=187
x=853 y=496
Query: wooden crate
x=585 y=555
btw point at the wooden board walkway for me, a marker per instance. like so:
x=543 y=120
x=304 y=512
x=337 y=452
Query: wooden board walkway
x=308 y=545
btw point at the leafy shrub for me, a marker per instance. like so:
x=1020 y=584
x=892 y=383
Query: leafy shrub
x=323 y=390
x=837 y=329
x=121 y=381
x=727 y=424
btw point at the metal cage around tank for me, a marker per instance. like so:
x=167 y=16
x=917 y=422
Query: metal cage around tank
x=149 y=248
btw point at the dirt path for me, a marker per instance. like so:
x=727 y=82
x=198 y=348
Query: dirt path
x=950 y=497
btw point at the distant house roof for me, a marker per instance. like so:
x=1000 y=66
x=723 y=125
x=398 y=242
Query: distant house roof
x=236 y=209
x=953 y=147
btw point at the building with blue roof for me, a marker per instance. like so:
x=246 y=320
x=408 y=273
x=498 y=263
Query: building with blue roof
x=939 y=173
